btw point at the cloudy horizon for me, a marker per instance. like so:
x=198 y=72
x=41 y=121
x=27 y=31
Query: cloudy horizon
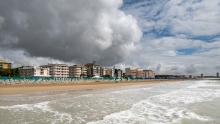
x=167 y=36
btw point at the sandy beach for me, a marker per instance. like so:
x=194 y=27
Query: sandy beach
x=51 y=87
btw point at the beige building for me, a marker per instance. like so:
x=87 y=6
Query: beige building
x=107 y=71
x=4 y=65
x=77 y=71
x=131 y=71
x=139 y=73
x=149 y=74
x=57 y=70
x=27 y=71
x=102 y=71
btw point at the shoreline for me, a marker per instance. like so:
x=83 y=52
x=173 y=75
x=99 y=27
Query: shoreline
x=51 y=87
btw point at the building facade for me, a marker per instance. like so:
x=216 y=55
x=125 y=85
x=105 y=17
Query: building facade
x=119 y=73
x=5 y=65
x=28 y=71
x=107 y=71
x=148 y=74
x=102 y=72
x=93 y=69
x=77 y=71
x=57 y=70
x=140 y=73
x=131 y=72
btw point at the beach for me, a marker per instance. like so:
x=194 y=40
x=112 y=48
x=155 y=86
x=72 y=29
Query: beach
x=141 y=102
x=53 y=87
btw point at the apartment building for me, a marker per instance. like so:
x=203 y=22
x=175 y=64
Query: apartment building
x=149 y=74
x=107 y=71
x=57 y=70
x=77 y=71
x=118 y=73
x=140 y=73
x=131 y=72
x=27 y=71
x=102 y=71
x=93 y=69
x=4 y=65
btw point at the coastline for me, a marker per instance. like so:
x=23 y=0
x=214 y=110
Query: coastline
x=51 y=87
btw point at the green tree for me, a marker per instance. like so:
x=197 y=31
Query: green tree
x=5 y=72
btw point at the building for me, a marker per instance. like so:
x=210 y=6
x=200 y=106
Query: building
x=28 y=71
x=102 y=71
x=191 y=76
x=5 y=65
x=57 y=70
x=131 y=72
x=107 y=71
x=93 y=69
x=148 y=74
x=119 y=73
x=217 y=74
x=201 y=75
x=140 y=73
x=77 y=71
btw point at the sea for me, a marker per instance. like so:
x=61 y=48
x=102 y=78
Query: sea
x=181 y=102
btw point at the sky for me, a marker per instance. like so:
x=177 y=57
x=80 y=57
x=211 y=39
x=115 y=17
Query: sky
x=167 y=36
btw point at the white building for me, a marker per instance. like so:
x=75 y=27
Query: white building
x=57 y=70
x=27 y=71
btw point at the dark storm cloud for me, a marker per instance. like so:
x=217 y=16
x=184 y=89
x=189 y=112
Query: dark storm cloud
x=80 y=30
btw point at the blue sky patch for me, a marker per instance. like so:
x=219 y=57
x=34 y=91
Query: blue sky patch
x=208 y=39
x=187 y=51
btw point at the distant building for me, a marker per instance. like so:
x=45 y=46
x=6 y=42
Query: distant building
x=139 y=73
x=201 y=75
x=5 y=65
x=102 y=71
x=131 y=72
x=191 y=76
x=77 y=71
x=93 y=69
x=149 y=74
x=57 y=70
x=217 y=74
x=119 y=73
x=107 y=71
x=28 y=71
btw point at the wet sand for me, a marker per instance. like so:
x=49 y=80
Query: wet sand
x=52 y=87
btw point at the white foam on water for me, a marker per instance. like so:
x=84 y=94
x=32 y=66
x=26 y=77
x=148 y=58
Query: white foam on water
x=40 y=108
x=205 y=83
x=167 y=108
